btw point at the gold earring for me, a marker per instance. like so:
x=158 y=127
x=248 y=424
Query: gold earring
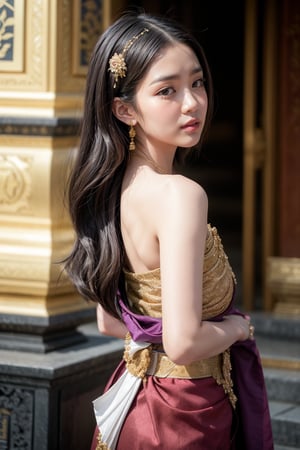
x=132 y=134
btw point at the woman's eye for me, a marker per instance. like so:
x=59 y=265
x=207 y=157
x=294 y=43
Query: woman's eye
x=199 y=83
x=166 y=91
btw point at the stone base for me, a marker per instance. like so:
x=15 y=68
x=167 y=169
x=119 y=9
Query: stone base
x=46 y=399
x=43 y=334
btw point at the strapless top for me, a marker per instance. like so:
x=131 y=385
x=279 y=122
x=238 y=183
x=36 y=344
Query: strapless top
x=144 y=289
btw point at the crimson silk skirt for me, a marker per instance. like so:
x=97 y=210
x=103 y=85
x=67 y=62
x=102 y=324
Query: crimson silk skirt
x=176 y=414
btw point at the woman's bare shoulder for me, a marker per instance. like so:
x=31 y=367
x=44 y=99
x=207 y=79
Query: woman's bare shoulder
x=179 y=201
x=180 y=190
x=162 y=199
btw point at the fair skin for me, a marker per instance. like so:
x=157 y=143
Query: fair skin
x=163 y=215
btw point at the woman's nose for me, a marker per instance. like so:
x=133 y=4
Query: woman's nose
x=190 y=102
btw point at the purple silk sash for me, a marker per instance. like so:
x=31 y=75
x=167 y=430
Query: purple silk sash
x=254 y=430
x=141 y=328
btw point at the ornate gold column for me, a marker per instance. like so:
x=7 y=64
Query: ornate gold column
x=44 y=49
x=260 y=143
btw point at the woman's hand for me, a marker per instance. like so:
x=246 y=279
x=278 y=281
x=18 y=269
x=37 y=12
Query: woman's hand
x=243 y=326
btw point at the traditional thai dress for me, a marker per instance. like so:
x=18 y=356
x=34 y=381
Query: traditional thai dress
x=151 y=403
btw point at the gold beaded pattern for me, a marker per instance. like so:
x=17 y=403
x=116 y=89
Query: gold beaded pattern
x=117 y=64
x=100 y=444
x=138 y=363
x=224 y=379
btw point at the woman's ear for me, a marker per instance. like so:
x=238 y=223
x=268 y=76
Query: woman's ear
x=123 y=111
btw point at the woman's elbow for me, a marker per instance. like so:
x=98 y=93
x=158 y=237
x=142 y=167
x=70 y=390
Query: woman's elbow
x=179 y=351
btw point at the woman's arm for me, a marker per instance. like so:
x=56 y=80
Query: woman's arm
x=182 y=229
x=109 y=325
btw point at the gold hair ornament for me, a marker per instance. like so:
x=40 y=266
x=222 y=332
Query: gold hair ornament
x=117 y=64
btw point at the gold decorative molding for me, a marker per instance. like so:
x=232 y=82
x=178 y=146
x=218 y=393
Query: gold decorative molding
x=23 y=141
x=45 y=105
x=53 y=127
x=283 y=277
x=41 y=306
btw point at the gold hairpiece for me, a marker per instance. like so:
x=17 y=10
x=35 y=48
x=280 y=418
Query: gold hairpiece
x=117 y=64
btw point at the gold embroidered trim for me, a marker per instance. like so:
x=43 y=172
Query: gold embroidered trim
x=218 y=367
x=215 y=254
x=224 y=378
x=138 y=363
x=144 y=289
x=163 y=367
x=100 y=444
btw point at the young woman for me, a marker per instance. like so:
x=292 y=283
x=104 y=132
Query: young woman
x=145 y=252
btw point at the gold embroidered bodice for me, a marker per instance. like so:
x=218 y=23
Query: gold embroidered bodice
x=144 y=289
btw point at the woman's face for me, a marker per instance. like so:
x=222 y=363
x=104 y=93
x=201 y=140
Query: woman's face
x=171 y=101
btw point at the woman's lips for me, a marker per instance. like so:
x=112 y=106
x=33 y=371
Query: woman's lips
x=192 y=125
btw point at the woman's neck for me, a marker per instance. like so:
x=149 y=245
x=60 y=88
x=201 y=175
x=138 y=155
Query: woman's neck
x=164 y=167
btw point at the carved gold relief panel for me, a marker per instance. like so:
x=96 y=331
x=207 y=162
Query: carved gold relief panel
x=23 y=40
x=45 y=47
x=33 y=173
x=81 y=25
x=15 y=183
x=88 y=17
x=12 y=36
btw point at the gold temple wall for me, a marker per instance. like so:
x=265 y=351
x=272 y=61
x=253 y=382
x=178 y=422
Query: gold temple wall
x=44 y=51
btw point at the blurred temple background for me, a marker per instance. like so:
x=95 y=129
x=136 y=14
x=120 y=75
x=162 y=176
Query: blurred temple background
x=53 y=362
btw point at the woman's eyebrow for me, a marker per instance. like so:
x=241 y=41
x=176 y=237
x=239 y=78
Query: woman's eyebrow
x=175 y=76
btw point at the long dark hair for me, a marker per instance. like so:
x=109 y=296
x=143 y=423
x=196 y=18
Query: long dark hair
x=96 y=261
